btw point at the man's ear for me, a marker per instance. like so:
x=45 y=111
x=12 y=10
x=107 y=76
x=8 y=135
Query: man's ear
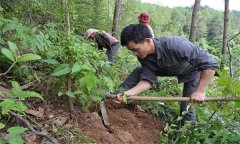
x=148 y=40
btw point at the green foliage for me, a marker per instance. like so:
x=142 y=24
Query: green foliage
x=15 y=102
x=13 y=48
x=92 y=75
x=15 y=99
x=70 y=94
x=61 y=69
x=8 y=54
x=212 y=127
x=28 y=57
x=75 y=68
x=16 y=130
x=13 y=30
x=15 y=56
x=14 y=135
x=11 y=53
x=10 y=104
x=31 y=30
x=166 y=87
x=22 y=95
x=2 y=125
x=227 y=86
x=88 y=82
x=51 y=61
x=216 y=122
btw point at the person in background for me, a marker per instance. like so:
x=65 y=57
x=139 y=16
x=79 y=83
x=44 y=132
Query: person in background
x=144 y=18
x=104 y=40
x=167 y=56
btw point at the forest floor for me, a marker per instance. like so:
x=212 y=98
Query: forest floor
x=129 y=124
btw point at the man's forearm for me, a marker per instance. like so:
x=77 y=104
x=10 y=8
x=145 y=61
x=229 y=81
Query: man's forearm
x=205 y=78
x=140 y=87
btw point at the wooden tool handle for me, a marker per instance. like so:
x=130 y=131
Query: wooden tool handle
x=174 y=99
x=180 y=99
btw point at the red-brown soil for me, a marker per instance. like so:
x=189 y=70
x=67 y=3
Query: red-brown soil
x=128 y=124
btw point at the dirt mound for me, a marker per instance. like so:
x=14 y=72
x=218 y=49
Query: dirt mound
x=129 y=125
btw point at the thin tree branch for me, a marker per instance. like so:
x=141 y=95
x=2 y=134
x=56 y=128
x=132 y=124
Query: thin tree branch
x=1 y=74
x=230 y=59
x=234 y=36
x=26 y=122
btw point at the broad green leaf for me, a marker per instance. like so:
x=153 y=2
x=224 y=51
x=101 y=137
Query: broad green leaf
x=75 y=68
x=86 y=65
x=2 y=125
x=15 y=139
x=78 y=92
x=16 y=130
x=70 y=94
x=28 y=57
x=51 y=61
x=90 y=80
x=179 y=118
x=60 y=93
x=2 y=41
x=237 y=104
x=8 y=54
x=13 y=48
x=61 y=69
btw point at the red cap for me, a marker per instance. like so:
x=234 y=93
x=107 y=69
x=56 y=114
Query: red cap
x=144 y=17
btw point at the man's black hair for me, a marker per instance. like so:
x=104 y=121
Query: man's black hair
x=136 y=33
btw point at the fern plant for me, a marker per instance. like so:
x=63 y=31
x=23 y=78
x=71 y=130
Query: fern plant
x=15 y=102
x=15 y=98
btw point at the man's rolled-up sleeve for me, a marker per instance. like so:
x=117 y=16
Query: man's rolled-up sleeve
x=148 y=73
x=206 y=61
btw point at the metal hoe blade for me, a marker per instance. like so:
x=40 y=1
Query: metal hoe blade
x=104 y=114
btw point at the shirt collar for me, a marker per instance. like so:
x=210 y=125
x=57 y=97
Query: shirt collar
x=158 y=47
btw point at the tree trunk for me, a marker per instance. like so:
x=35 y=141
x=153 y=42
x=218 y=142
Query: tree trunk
x=66 y=18
x=225 y=31
x=117 y=11
x=97 y=12
x=230 y=54
x=195 y=12
x=67 y=33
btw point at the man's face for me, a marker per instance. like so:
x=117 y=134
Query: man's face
x=140 y=50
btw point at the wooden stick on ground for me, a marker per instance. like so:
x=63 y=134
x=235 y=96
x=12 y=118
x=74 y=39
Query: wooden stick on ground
x=45 y=134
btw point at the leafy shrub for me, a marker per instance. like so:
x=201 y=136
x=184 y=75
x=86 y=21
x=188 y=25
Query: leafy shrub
x=15 y=102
